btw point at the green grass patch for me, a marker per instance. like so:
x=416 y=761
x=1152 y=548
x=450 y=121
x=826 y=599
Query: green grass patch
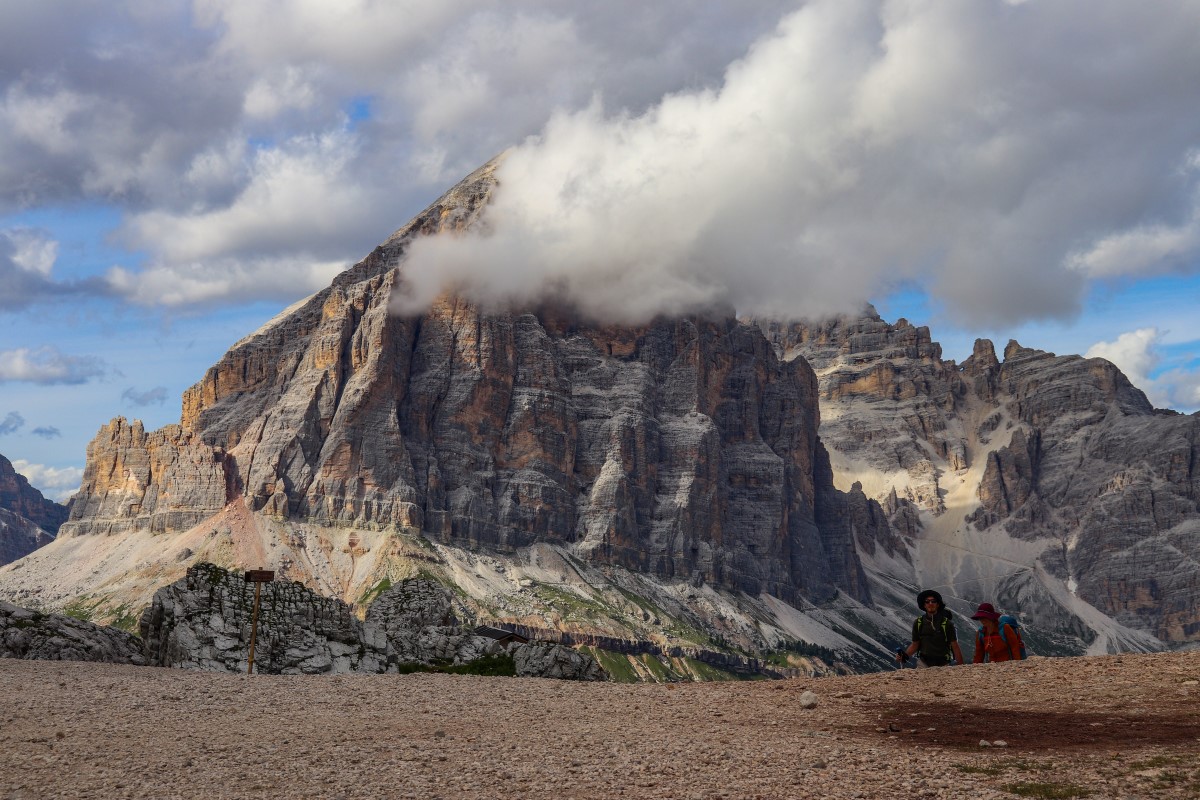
x=1156 y=762
x=374 y=591
x=656 y=668
x=615 y=664
x=81 y=608
x=707 y=672
x=1049 y=791
x=125 y=620
x=568 y=603
x=971 y=769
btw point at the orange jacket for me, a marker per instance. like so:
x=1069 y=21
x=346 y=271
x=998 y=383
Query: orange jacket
x=996 y=648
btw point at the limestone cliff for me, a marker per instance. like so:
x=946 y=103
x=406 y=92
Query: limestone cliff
x=1040 y=480
x=682 y=449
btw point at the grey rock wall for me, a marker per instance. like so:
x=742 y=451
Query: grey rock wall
x=28 y=634
x=204 y=622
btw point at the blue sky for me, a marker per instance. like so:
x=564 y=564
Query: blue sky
x=173 y=174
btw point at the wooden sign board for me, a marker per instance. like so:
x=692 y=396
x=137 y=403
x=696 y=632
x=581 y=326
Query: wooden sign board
x=259 y=575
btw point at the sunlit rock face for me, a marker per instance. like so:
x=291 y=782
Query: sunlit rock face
x=682 y=448
x=160 y=481
x=1034 y=448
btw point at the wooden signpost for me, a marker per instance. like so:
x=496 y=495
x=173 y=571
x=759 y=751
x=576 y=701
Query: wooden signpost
x=258 y=577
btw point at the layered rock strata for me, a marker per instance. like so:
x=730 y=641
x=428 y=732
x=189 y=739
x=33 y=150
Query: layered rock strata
x=19 y=537
x=682 y=448
x=165 y=480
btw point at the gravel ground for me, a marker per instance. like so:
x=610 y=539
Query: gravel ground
x=1115 y=726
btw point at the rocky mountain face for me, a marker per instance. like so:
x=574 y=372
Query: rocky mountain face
x=27 y=519
x=1045 y=482
x=683 y=448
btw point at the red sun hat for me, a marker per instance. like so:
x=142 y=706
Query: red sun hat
x=986 y=611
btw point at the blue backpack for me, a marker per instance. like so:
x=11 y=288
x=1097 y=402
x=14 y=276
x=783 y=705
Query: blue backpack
x=1010 y=621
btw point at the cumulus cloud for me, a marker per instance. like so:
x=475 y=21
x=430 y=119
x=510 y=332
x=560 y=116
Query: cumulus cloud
x=11 y=423
x=155 y=396
x=1133 y=352
x=48 y=365
x=58 y=483
x=222 y=128
x=861 y=144
x=1139 y=354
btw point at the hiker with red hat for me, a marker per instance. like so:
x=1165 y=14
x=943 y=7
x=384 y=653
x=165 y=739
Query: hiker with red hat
x=998 y=639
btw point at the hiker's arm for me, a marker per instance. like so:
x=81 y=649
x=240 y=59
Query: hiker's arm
x=978 y=659
x=908 y=651
x=957 y=652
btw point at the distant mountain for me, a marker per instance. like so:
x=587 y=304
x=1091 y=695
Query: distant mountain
x=27 y=519
x=1046 y=484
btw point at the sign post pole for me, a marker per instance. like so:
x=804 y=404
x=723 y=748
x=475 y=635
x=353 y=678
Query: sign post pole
x=258 y=577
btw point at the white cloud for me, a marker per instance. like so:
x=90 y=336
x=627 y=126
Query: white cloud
x=854 y=144
x=862 y=144
x=223 y=281
x=1146 y=249
x=298 y=195
x=47 y=365
x=1139 y=355
x=58 y=483
x=33 y=251
x=270 y=96
x=1133 y=352
x=155 y=396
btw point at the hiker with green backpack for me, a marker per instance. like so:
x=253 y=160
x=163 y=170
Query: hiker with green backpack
x=1000 y=637
x=933 y=634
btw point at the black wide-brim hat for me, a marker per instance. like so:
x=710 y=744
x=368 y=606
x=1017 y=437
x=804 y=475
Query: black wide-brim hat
x=929 y=593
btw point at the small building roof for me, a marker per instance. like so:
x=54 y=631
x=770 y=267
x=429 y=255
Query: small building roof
x=499 y=633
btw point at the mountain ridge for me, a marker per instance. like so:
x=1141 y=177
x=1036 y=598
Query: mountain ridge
x=763 y=486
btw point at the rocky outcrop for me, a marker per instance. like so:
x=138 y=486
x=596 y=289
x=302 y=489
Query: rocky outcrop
x=418 y=618
x=167 y=480
x=547 y=660
x=17 y=496
x=683 y=448
x=32 y=635
x=204 y=622
x=27 y=519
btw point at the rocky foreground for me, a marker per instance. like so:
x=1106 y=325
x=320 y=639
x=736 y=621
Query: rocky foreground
x=1106 y=727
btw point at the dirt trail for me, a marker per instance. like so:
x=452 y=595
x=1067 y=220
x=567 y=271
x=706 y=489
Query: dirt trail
x=1116 y=726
